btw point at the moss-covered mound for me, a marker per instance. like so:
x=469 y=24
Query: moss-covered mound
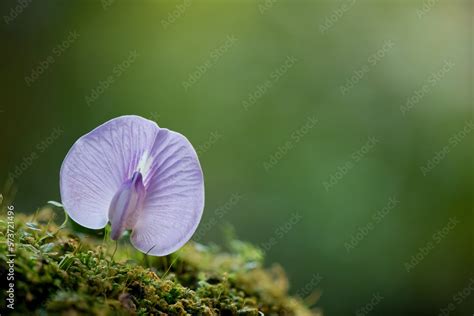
x=58 y=271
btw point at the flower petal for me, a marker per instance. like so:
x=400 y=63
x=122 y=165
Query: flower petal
x=174 y=200
x=126 y=205
x=99 y=163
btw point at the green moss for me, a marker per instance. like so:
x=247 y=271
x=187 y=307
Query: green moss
x=58 y=271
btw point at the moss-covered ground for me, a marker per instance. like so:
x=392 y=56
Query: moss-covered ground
x=59 y=271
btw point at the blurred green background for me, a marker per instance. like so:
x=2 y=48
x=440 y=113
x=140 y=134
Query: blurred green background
x=389 y=84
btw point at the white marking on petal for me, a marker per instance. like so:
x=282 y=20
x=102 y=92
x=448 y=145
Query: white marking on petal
x=145 y=163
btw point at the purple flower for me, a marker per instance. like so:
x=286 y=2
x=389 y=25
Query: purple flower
x=138 y=176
